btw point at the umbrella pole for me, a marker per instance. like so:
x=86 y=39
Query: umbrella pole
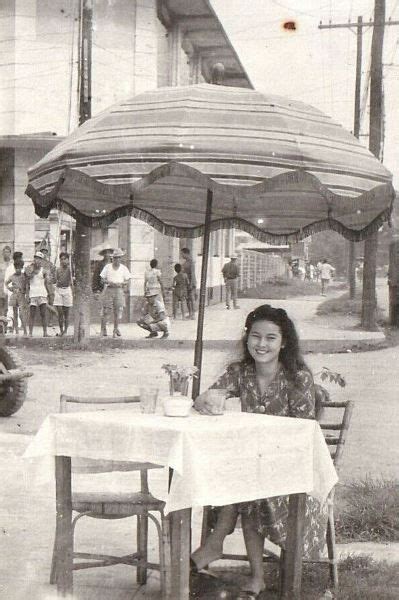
x=202 y=298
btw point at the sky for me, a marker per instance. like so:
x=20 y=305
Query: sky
x=316 y=66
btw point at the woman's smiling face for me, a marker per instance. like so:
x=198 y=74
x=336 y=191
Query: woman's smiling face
x=264 y=342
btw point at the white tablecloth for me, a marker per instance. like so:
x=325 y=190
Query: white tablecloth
x=216 y=460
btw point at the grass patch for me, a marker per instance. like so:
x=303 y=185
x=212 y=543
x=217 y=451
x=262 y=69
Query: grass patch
x=280 y=288
x=344 y=305
x=369 y=511
x=360 y=578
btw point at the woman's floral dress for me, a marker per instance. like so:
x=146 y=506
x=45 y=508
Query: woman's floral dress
x=282 y=398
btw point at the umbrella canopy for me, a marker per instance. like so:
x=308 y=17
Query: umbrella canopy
x=277 y=168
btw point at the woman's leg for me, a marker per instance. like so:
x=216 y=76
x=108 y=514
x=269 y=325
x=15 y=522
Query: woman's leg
x=254 y=543
x=213 y=547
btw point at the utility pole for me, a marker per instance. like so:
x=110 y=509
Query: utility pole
x=83 y=233
x=356 y=133
x=369 y=300
x=356 y=129
x=358 y=25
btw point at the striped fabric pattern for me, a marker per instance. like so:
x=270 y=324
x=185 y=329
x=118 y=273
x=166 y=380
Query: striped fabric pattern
x=279 y=169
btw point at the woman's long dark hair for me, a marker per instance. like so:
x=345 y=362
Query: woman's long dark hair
x=289 y=356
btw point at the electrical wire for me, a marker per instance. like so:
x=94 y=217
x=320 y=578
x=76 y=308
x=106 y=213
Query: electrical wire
x=301 y=12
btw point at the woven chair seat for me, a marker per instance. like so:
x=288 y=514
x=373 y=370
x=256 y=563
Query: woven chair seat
x=88 y=465
x=121 y=504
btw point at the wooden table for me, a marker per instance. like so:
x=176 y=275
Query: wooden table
x=262 y=439
x=180 y=541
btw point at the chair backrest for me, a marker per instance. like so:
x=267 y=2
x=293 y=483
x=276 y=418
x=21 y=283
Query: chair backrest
x=100 y=403
x=335 y=429
x=86 y=465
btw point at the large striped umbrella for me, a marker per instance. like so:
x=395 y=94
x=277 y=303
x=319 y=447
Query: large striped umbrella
x=191 y=159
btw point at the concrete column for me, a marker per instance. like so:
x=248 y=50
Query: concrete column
x=175 y=43
x=140 y=250
x=25 y=32
x=146 y=46
x=24 y=214
x=195 y=68
x=140 y=237
x=7 y=158
x=166 y=251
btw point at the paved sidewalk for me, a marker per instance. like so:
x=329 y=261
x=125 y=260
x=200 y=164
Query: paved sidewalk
x=219 y=321
x=221 y=327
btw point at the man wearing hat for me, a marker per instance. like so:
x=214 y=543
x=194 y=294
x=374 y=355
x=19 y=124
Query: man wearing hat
x=97 y=284
x=116 y=278
x=155 y=320
x=38 y=291
x=231 y=274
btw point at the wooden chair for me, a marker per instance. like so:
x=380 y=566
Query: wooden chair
x=114 y=505
x=335 y=432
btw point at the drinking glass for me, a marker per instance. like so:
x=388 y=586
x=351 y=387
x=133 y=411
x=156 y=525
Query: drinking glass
x=148 y=399
x=217 y=399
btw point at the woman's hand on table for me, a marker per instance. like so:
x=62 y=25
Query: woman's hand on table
x=203 y=404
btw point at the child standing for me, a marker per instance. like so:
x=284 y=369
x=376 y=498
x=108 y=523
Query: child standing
x=63 y=298
x=38 y=292
x=152 y=280
x=180 y=291
x=16 y=284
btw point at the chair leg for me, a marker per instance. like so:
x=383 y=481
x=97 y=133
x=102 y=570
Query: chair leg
x=281 y=570
x=53 y=572
x=142 y=547
x=165 y=559
x=206 y=528
x=331 y=548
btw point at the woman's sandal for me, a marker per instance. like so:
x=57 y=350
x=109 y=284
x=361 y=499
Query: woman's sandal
x=201 y=572
x=201 y=581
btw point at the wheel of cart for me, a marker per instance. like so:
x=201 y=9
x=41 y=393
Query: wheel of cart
x=13 y=384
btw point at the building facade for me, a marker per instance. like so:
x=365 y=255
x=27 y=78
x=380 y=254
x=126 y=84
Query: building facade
x=137 y=45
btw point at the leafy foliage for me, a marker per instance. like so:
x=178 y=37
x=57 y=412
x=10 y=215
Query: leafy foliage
x=332 y=376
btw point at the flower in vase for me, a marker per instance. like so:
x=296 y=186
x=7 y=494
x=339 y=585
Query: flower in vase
x=179 y=378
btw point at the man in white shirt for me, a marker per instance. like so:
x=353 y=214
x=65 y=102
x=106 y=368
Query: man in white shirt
x=116 y=278
x=326 y=272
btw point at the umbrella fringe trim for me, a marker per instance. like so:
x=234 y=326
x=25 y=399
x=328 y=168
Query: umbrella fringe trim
x=228 y=223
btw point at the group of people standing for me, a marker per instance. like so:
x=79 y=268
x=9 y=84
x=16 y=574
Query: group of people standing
x=39 y=286
x=111 y=279
x=322 y=272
